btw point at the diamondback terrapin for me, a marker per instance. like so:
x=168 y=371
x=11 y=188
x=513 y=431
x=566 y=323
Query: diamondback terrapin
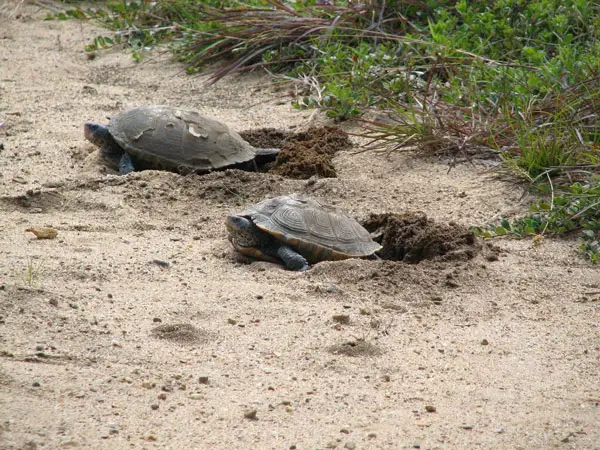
x=296 y=231
x=167 y=138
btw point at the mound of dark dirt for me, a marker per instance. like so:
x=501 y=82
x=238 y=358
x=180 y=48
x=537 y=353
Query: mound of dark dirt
x=303 y=154
x=412 y=237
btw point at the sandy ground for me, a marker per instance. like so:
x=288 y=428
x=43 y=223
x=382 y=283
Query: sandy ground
x=100 y=347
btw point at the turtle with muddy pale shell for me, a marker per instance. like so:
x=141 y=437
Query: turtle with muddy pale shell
x=167 y=138
x=296 y=231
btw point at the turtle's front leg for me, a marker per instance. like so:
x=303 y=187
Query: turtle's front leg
x=126 y=165
x=292 y=259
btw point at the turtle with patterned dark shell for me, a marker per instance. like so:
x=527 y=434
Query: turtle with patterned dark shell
x=167 y=138
x=296 y=231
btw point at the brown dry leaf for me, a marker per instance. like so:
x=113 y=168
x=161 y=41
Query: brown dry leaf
x=43 y=232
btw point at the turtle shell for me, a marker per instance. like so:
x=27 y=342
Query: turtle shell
x=318 y=232
x=163 y=137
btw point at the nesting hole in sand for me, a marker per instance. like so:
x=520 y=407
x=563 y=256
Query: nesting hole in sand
x=303 y=154
x=413 y=237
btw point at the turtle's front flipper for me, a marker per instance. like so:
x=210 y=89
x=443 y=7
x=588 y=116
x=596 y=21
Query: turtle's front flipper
x=126 y=165
x=292 y=259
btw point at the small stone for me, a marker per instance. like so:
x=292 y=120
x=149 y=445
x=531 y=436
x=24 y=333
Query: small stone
x=259 y=297
x=157 y=320
x=148 y=384
x=39 y=348
x=53 y=302
x=113 y=430
x=162 y=396
x=36 y=384
x=231 y=321
x=345 y=431
x=467 y=427
x=116 y=344
x=161 y=263
x=251 y=414
x=127 y=380
x=350 y=445
x=386 y=378
x=196 y=396
x=154 y=406
x=484 y=342
x=430 y=409
x=372 y=435
x=203 y=380
x=341 y=318
x=286 y=402
x=74 y=305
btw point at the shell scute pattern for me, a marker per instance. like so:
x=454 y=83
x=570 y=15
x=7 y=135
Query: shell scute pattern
x=319 y=232
x=169 y=137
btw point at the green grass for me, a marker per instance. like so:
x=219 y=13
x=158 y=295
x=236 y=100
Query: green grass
x=518 y=79
x=33 y=271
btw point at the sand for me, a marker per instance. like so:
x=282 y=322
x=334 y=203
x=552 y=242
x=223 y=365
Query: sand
x=139 y=327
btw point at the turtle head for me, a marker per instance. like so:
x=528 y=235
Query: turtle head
x=242 y=232
x=97 y=134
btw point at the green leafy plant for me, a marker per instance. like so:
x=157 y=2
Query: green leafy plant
x=577 y=207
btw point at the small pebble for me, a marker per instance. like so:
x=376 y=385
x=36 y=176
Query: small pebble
x=430 y=408
x=161 y=263
x=162 y=396
x=154 y=406
x=350 y=445
x=341 y=318
x=116 y=344
x=231 y=321
x=251 y=415
x=203 y=380
x=36 y=384
x=484 y=342
x=196 y=396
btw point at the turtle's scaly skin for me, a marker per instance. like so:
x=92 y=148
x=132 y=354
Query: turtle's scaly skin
x=301 y=225
x=163 y=137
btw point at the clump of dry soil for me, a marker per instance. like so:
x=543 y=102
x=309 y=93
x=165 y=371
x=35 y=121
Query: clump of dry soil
x=304 y=154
